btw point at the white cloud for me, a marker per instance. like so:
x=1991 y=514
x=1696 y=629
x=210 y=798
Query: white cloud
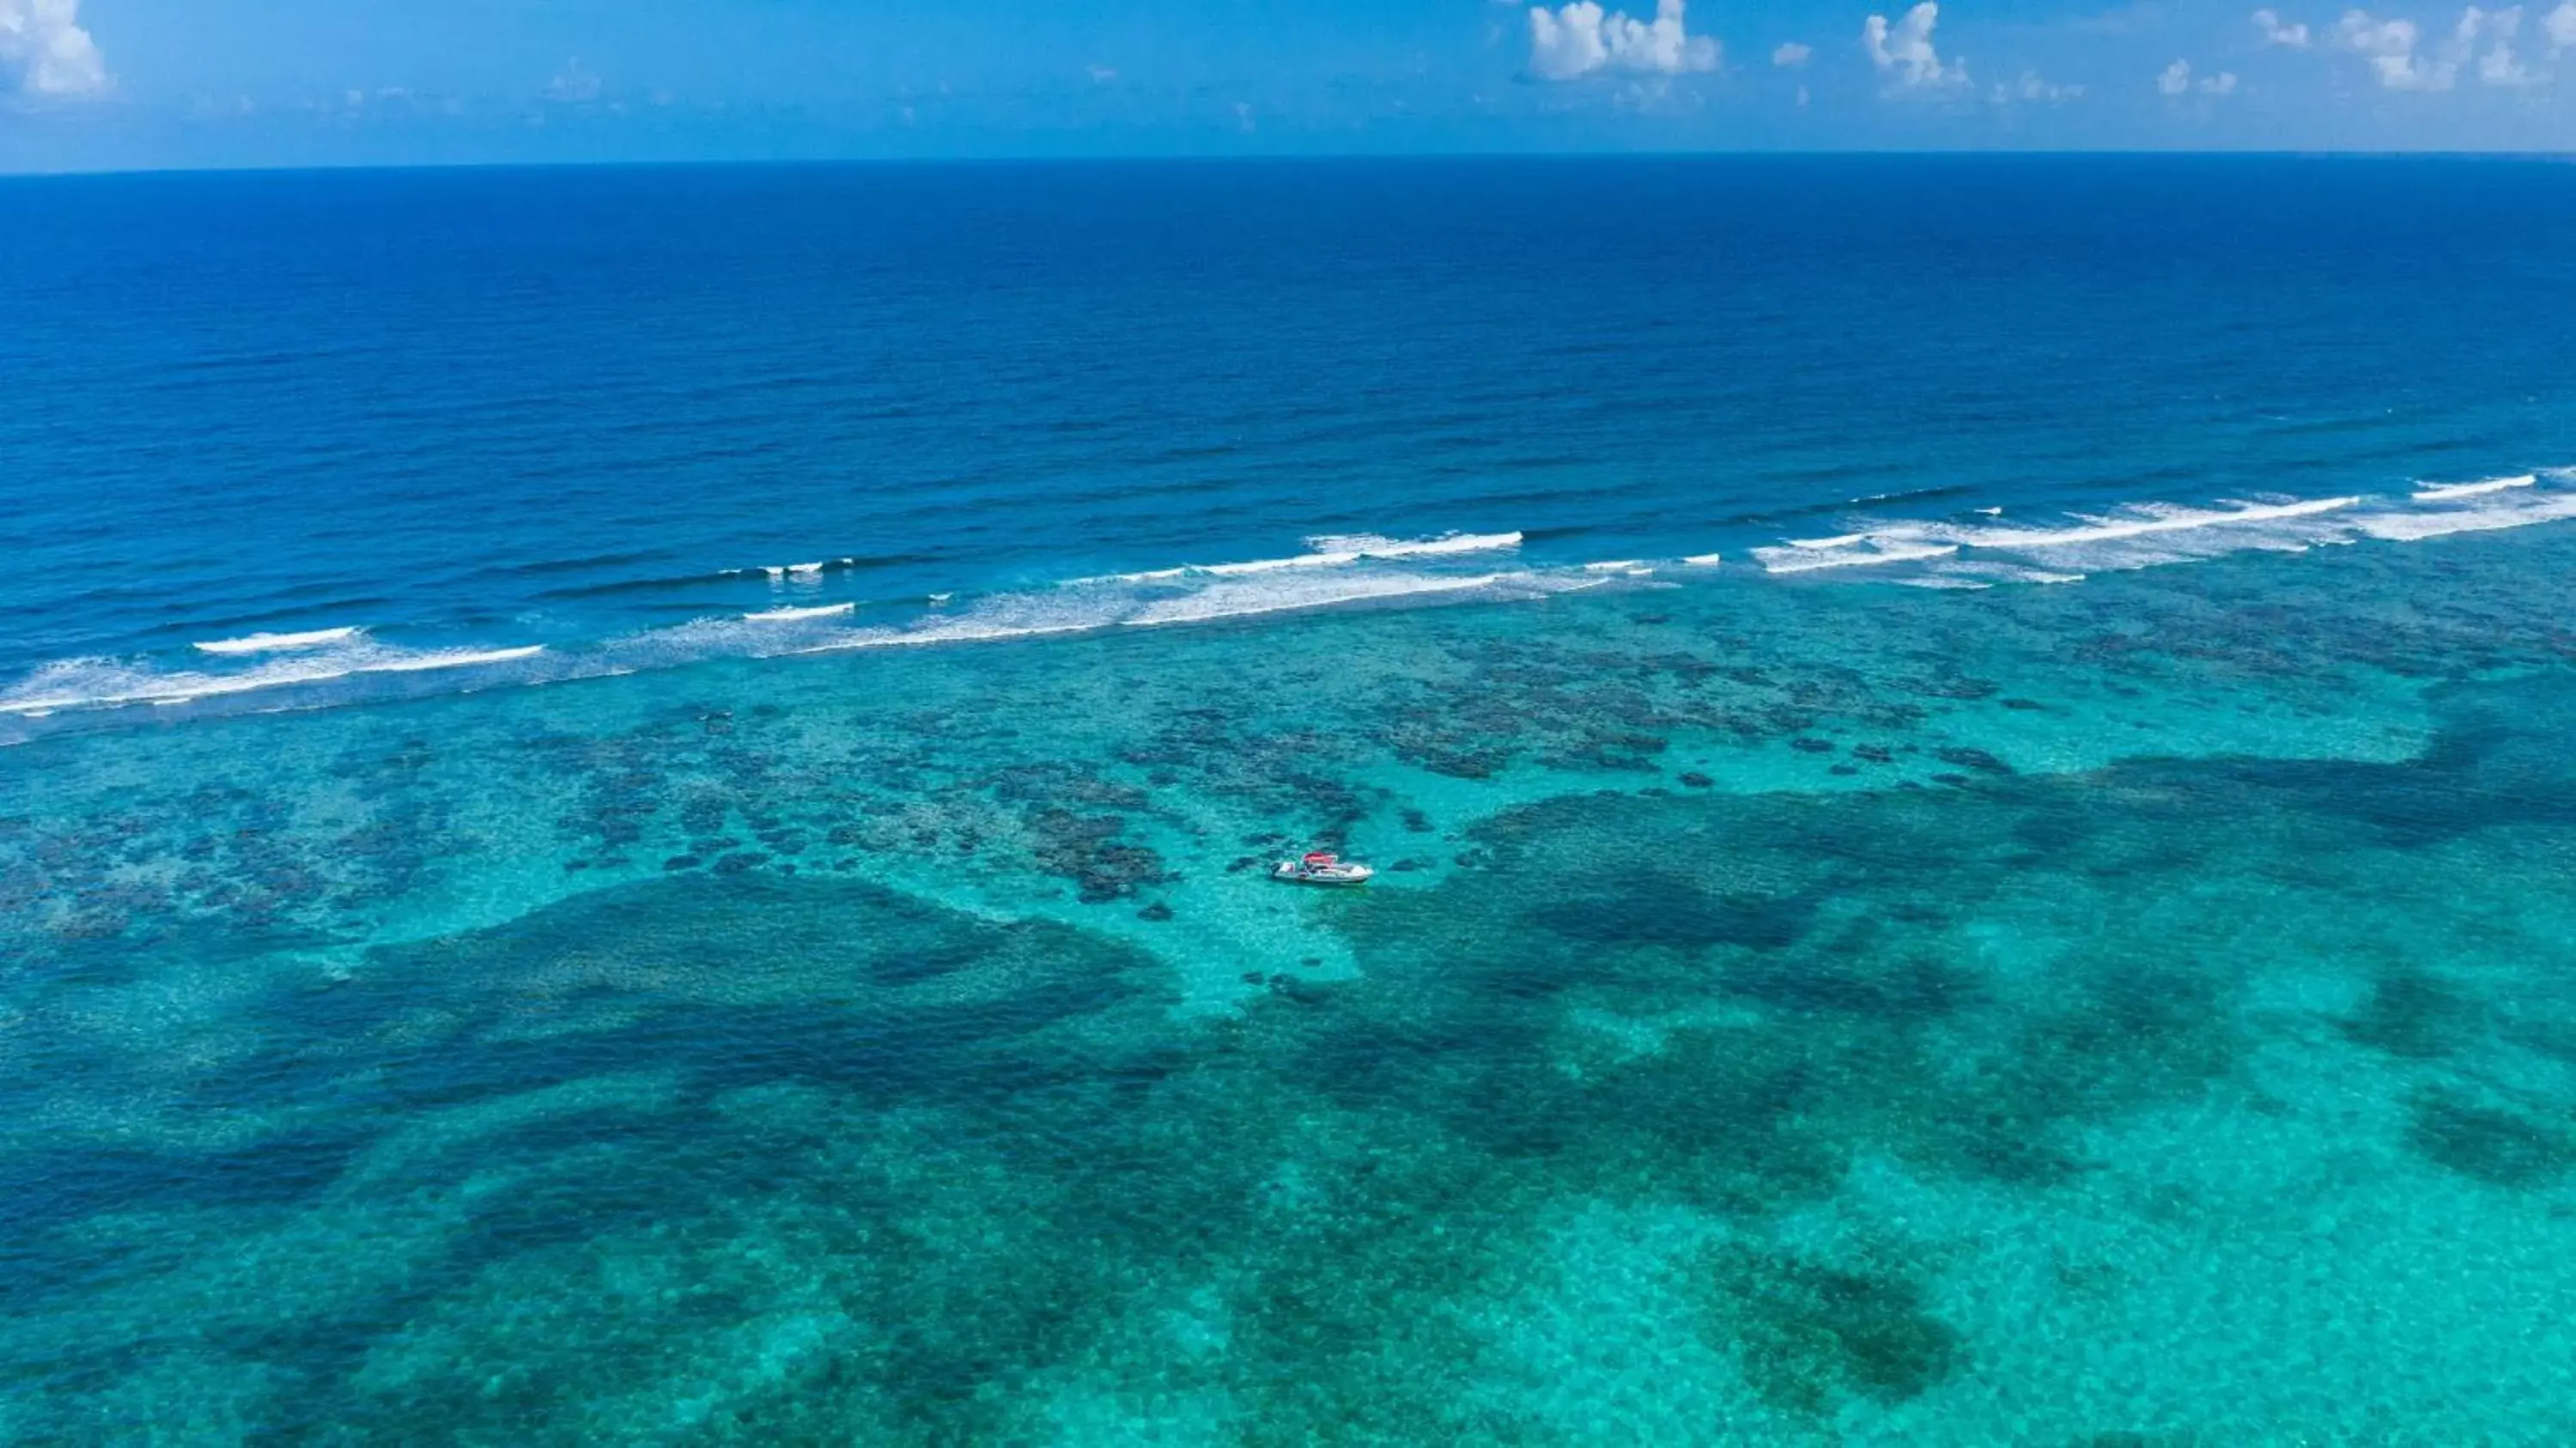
x=573 y=85
x=1580 y=38
x=2561 y=27
x=2176 y=81
x=44 y=51
x=1102 y=74
x=2390 y=45
x=2498 y=66
x=1793 y=55
x=2031 y=88
x=1905 y=51
x=2294 y=36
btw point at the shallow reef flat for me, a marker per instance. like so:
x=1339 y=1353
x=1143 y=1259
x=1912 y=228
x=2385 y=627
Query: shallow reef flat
x=2140 y=1012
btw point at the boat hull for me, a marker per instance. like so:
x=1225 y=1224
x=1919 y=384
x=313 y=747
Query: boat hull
x=1342 y=876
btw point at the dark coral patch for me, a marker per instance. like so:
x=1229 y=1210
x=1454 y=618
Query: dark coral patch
x=1811 y=1336
x=2500 y=1147
x=1674 y=910
x=2413 y=1016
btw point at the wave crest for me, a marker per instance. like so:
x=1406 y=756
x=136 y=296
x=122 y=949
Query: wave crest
x=1981 y=547
x=273 y=643
x=104 y=683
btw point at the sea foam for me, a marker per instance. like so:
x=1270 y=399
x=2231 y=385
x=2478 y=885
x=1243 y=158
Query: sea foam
x=2442 y=492
x=1232 y=600
x=795 y=615
x=1979 y=547
x=2517 y=512
x=270 y=643
x=1330 y=551
x=99 y=683
x=1812 y=555
x=1974 y=549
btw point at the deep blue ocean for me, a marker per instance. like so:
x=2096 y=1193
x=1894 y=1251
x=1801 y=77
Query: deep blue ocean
x=482 y=411
x=635 y=804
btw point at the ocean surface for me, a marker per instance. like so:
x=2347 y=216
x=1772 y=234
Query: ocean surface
x=633 y=804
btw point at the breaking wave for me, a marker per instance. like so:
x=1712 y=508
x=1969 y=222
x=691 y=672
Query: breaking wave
x=2444 y=492
x=798 y=615
x=70 y=684
x=2482 y=517
x=272 y=643
x=1982 y=547
x=1332 y=551
x=1975 y=548
x=346 y=665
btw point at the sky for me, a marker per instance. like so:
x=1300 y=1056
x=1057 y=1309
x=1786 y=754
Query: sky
x=142 y=84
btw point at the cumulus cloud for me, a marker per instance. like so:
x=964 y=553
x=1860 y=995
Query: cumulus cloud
x=1102 y=74
x=1793 y=55
x=1580 y=38
x=44 y=51
x=2176 y=80
x=1904 y=50
x=2560 y=26
x=2295 y=36
x=2390 y=47
x=2499 y=66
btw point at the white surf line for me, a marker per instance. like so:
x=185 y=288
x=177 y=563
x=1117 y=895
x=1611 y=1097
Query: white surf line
x=953 y=634
x=790 y=615
x=1212 y=605
x=1329 y=551
x=2438 y=492
x=263 y=643
x=2436 y=523
x=2174 y=519
x=1785 y=560
x=428 y=662
x=188 y=688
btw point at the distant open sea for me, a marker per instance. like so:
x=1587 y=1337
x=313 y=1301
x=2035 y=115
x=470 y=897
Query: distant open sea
x=634 y=803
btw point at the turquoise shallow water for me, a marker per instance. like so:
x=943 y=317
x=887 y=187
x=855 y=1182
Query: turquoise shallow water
x=2138 y=1012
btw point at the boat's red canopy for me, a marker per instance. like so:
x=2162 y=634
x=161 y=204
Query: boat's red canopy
x=1319 y=857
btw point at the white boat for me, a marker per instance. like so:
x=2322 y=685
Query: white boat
x=1321 y=867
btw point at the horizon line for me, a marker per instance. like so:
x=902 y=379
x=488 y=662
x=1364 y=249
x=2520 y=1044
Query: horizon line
x=1179 y=158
